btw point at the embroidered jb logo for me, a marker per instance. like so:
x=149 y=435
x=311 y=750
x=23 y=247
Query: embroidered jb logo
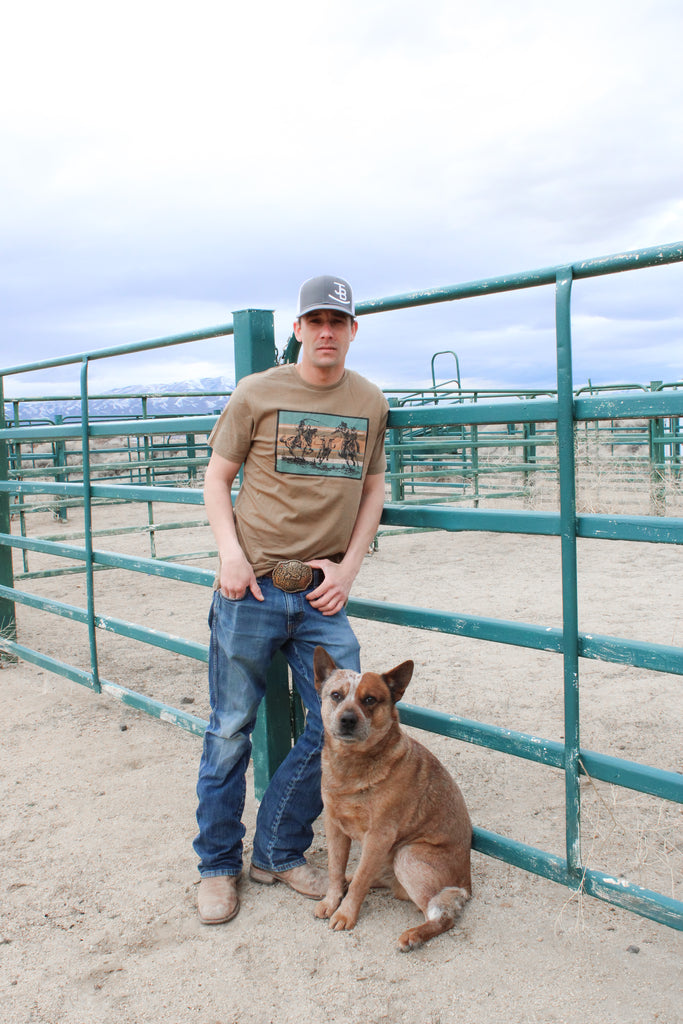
x=339 y=292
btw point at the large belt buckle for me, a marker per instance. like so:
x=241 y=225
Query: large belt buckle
x=292 y=576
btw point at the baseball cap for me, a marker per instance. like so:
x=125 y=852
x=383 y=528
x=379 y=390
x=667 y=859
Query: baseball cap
x=326 y=293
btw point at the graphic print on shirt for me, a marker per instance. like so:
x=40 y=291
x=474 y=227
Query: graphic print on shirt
x=320 y=444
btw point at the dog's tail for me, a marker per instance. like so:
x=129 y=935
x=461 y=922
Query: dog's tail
x=442 y=912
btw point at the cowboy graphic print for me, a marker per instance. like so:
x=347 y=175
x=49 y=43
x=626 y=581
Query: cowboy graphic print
x=320 y=444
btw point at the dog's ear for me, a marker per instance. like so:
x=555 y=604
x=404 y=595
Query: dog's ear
x=397 y=679
x=323 y=667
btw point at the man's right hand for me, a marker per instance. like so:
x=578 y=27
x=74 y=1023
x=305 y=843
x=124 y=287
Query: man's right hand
x=237 y=576
x=236 y=573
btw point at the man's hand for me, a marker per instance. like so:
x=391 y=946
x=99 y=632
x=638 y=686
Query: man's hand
x=333 y=593
x=237 y=576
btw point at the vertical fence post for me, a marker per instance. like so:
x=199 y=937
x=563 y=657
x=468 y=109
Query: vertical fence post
x=8 y=622
x=254 y=339
x=17 y=472
x=149 y=479
x=87 y=525
x=395 y=460
x=570 y=615
x=657 y=461
x=60 y=460
x=474 y=460
x=529 y=459
x=191 y=458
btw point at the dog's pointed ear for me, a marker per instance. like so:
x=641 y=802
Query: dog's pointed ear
x=323 y=667
x=397 y=679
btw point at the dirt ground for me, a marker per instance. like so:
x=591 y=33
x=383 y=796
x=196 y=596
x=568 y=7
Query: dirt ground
x=98 y=878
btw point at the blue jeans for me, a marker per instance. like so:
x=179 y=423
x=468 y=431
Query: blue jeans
x=245 y=634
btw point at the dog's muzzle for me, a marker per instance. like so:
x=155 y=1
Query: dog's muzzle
x=293 y=576
x=347 y=723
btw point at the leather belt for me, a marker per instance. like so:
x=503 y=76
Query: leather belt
x=294 y=576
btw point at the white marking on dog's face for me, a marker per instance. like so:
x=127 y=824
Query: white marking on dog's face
x=349 y=705
x=342 y=683
x=353 y=679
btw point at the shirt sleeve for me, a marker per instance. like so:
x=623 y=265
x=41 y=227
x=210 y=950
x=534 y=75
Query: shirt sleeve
x=232 y=434
x=378 y=461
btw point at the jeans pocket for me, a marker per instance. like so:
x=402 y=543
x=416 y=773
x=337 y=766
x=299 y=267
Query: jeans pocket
x=231 y=600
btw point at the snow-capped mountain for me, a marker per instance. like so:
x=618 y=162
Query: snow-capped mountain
x=190 y=397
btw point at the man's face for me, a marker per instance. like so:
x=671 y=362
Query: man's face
x=325 y=336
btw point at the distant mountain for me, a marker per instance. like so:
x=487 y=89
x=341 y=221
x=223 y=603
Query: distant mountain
x=198 y=397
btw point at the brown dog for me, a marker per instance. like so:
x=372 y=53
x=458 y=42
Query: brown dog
x=386 y=790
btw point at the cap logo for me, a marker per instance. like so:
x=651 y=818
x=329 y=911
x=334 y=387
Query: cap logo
x=339 y=292
x=325 y=292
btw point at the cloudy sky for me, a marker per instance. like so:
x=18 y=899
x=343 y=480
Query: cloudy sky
x=165 y=164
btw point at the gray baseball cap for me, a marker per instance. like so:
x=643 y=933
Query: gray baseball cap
x=326 y=293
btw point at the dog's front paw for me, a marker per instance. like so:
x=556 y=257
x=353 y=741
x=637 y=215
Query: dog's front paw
x=344 y=918
x=327 y=906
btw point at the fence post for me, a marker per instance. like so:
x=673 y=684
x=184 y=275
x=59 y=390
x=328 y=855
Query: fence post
x=657 y=461
x=395 y=460
x=17 y=472
x=254 y=338
x=529 y=458
x=191 y=455
x=8 y=621
x=474 y=459
x=87 y=522
x=570 y=613
x=60 y=460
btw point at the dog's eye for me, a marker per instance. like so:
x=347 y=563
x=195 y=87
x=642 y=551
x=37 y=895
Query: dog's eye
x=335 y=696
x=369 y=700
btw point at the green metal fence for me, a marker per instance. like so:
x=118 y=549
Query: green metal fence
x=562 y=409
x=479 y=464
x=488 y=463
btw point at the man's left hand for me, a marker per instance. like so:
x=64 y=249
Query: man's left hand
x=333 y=593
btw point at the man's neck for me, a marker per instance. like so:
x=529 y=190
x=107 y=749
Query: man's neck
x=320 y=376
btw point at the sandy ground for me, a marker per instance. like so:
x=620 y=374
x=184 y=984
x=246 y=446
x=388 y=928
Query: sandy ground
x=98 y=877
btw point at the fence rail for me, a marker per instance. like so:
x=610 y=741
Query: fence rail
x=457 y=461
x=468 y=428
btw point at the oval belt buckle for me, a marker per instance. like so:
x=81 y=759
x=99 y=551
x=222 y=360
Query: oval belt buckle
x=292 y=576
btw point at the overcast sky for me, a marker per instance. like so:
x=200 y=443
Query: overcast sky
x=164 y=164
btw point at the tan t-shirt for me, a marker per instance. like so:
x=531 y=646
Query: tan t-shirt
x=306 y=452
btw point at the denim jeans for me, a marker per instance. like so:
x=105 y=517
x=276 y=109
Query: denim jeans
x=245 y=634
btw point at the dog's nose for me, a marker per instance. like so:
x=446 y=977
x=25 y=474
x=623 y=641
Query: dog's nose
x=347 y=721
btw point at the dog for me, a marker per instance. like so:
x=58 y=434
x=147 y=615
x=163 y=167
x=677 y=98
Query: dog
x=386 y=790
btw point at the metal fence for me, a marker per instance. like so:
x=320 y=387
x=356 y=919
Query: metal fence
x=460 y=422
x=472 y=464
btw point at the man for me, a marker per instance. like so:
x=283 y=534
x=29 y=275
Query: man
x=310 y=439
